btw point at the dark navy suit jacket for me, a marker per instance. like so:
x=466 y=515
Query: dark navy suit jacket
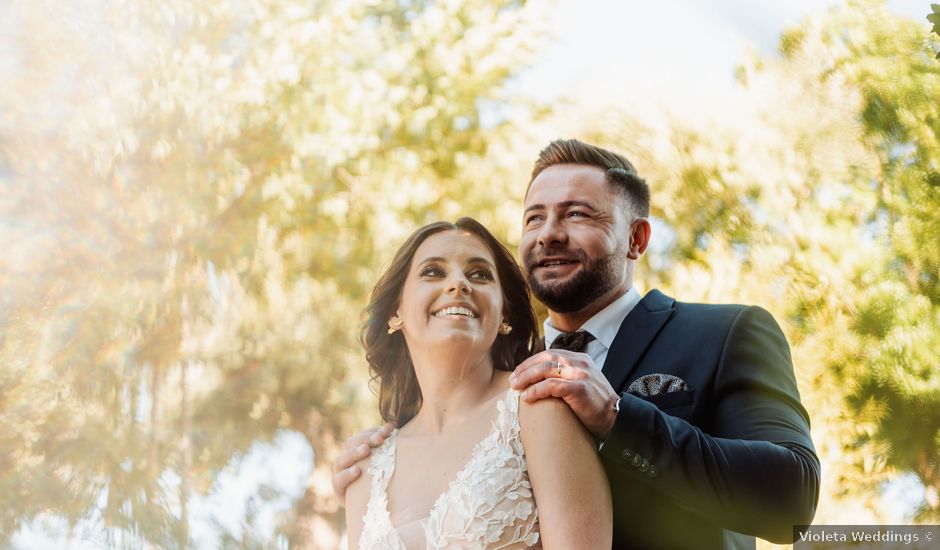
x=727 y=460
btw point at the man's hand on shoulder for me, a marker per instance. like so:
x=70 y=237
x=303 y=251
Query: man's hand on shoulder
x=574 y=378
x=356 y=448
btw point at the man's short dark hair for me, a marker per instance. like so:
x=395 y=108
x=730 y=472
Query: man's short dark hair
x=619 y=171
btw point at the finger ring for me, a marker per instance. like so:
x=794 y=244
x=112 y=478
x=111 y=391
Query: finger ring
x=557 y=368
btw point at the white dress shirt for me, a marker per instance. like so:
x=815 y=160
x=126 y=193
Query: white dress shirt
x=604 y=326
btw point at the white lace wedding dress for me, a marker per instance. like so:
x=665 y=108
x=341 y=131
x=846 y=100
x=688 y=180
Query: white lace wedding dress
x=488 y=505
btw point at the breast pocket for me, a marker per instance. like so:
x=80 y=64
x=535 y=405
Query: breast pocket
x=667 y=402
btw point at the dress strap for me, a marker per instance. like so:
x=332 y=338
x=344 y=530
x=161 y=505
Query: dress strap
x=378 y=532
x=383 y=464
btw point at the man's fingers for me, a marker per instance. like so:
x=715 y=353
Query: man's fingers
x=350 y=457
x=359 y=438
x=538 y=372
x=356 y=448
x=360 y=446
x=537 y=359
x=547 y=368
x=342 y=479
x=370 y=436
x=534 y=374
x=550 y=387
x=383 y=432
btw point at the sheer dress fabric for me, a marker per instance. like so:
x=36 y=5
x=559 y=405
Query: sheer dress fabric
x=489 y=504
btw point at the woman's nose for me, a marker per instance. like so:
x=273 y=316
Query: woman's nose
x=459 y=286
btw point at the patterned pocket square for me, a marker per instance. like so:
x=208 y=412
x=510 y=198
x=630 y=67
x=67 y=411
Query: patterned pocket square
x=655 y=384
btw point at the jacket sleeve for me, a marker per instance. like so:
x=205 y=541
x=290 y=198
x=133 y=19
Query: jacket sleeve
x=756 y=471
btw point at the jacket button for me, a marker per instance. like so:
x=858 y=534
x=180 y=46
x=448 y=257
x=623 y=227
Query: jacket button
x=636 y=461
x=626 y=454
x=653 y=471
x=645 y=466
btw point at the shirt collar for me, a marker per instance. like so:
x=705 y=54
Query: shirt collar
x=605 y=324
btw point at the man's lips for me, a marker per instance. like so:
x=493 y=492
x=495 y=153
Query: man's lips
x=556 y=262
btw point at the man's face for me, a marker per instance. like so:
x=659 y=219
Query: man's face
x=575 y=238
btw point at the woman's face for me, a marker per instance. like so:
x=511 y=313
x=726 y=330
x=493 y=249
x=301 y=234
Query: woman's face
x=452 y=293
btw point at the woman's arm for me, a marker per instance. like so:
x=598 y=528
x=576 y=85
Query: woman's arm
x=357 y=498
x=570 y=487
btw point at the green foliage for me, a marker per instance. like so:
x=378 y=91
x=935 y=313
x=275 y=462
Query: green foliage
x=935 y=19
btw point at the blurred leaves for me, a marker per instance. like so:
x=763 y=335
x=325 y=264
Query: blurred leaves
x=935 y=19
x=197 y=199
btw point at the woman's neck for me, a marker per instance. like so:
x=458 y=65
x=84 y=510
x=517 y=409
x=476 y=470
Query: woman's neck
x=453 y=387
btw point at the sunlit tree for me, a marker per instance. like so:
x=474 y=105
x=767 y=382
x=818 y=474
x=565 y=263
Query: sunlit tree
x=197 y=199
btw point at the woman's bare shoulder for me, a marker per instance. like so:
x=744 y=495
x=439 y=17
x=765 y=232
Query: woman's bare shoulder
x=550 y=412
x=357 y=500
x=361 y=485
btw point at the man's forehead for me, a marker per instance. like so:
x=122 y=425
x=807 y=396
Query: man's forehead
x=566 y=182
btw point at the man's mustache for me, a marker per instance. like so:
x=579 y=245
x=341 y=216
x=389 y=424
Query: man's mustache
x=535 y=259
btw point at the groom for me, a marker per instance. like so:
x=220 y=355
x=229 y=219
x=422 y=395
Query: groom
x=695 y=406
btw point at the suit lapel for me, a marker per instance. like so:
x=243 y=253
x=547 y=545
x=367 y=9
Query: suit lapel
x=636 y=334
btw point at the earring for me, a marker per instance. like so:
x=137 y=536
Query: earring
x=394 y=324
x=505 y=328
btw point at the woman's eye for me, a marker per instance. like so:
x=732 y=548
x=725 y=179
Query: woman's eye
x=431 y=271
x=482 y=274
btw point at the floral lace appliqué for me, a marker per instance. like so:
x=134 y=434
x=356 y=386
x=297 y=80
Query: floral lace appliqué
x=488 y=505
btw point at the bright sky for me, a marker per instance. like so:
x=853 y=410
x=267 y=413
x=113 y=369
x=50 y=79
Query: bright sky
x=680 y=53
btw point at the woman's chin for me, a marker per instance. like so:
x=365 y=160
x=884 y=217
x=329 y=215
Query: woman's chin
x=461 y=338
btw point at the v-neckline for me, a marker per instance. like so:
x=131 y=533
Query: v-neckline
x=392 y=441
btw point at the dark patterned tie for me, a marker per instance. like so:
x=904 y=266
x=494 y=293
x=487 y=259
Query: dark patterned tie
x=573 y=341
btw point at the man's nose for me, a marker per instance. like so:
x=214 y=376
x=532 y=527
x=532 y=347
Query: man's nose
x=552 y=232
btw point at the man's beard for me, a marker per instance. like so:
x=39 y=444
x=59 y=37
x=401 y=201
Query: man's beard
x=593 y=280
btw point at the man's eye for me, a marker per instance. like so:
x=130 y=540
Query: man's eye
x=576 y=213
x=534 y=218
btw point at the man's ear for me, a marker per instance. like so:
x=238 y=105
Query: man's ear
x=639 y=238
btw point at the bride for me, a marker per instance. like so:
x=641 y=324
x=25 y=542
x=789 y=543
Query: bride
x=468 y=465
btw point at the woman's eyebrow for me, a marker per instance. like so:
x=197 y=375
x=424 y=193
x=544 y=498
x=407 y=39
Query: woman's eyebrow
x=473 y=260
x=480 y=260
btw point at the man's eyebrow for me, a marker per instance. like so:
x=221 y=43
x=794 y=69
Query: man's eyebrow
x=569 y=204
x=563 y=204
x=535 y=207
